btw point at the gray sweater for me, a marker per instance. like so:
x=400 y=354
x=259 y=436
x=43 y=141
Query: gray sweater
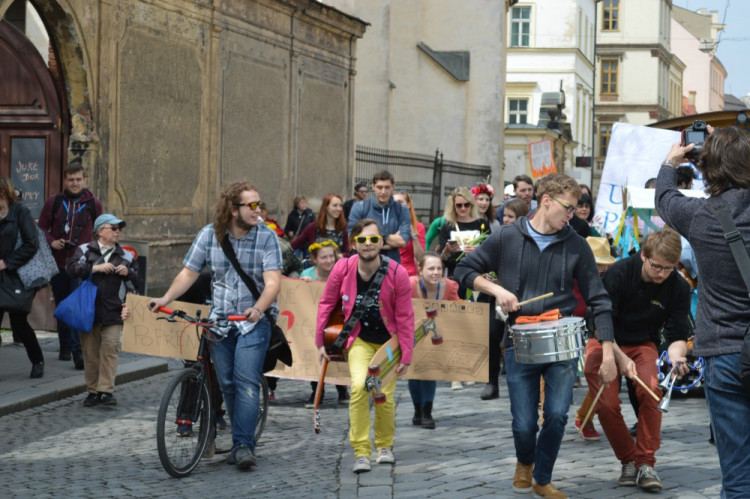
x=723 y=303
x=526 y=272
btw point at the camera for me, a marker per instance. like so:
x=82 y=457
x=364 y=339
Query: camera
x=69 y=245
x=696 y=134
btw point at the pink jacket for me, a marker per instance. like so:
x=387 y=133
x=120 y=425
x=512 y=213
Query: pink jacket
x=394 y=302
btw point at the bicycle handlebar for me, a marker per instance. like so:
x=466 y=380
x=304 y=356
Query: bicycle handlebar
x=183 y=315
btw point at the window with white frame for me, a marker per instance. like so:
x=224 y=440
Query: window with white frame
x=518 y=111
x=520 y=26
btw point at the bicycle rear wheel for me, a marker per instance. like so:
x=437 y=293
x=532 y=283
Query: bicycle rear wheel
x=262 y=409
x=185 y=423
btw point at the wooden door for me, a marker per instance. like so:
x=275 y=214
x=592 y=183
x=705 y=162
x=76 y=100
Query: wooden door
x=32 y=143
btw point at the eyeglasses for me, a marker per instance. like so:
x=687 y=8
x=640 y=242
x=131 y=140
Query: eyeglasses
x=253 y=205
x=659 y=268
x=462 y=206
x=114 y=228
x=368 y=239
x=569 y=208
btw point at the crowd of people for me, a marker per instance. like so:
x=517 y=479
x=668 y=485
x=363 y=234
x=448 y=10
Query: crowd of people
x=374 y=254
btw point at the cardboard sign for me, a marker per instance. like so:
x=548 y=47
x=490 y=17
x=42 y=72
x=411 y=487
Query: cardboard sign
x=463 y=355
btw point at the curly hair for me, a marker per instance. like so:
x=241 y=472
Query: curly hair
x=725 y=160
x=230 y=196
x=320 y=224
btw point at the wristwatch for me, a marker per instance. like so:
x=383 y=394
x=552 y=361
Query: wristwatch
x=672 y=163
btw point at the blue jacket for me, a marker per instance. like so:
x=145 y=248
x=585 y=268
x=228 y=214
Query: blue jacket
x=391 y=218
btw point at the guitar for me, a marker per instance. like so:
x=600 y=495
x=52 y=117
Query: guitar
x=331 y=332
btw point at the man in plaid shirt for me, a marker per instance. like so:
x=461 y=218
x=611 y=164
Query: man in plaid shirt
x=238 y=358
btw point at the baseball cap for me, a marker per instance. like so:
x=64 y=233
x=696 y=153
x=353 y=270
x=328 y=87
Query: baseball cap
x=108 y=218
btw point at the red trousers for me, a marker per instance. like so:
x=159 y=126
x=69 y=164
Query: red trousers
x=648 y=438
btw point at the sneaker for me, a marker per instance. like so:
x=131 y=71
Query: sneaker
x=456 y=385
x=385 y=456
x=245 y=457
x=107 y=399
x=627 y=477
x=491 y=391
x=362 y=464
x=37 y=370
x=231 y=458
x=548 y=491
x=647 y=478
x=589 y=432
x=271 y=396
x=185 y=430
x=221 y=423
x=522 y=478
x=91 y=400
x=470 y=383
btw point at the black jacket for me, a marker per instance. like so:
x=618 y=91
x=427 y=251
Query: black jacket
x=111 y=287
x=640 y=308
x=297 y=221
x=18 y=219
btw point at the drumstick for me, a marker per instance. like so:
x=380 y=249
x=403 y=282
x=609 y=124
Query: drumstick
x=531 y=300
x=640 y=382
x=591 y=409
x=504 y=317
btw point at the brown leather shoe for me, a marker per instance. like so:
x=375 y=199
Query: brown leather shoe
x=522 y=478
x=548 y=491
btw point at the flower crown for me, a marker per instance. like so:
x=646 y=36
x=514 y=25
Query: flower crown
x=317 y=246
x=483 y=189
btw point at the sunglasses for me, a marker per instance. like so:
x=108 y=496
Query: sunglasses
x=659 y=268
x=569 y=208
x=368 y=239
x=461 y=206
x=114 y=228
x=362 y=191
x=253 y=205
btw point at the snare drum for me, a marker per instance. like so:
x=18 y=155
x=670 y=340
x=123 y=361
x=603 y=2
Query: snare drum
x=549 y=341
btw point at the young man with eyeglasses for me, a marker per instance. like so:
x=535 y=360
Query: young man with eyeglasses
x=238 y=358
x=393 y=219
x=360 y=194
x=389 y=313
x=646 y=294
x=531 y=258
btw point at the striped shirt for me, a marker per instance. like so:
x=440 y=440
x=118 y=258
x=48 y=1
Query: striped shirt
x=257 y=252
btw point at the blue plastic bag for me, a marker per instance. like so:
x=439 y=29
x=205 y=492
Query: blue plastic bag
x=78 y=309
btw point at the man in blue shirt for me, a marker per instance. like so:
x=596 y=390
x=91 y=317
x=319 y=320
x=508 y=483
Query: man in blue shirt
x=393 y=219
x=238 y=358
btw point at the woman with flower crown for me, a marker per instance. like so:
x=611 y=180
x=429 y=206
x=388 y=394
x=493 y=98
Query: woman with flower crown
x=483 y=193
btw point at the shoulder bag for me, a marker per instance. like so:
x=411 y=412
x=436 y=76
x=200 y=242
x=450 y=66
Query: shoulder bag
x=278 y=348
x=37 y=272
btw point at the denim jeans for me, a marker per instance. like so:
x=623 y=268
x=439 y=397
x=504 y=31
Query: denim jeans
x=422 y=391
x=523 y=389
x=62 y=286
x=729 y=408
x=238 y=360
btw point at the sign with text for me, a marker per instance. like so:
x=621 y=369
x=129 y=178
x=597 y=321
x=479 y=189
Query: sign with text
x=463 y=355
x=27 y=166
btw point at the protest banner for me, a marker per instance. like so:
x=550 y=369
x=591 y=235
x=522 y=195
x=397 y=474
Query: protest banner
x=463 y=355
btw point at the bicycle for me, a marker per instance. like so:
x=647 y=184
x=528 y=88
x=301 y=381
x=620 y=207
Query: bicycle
x=186 y=423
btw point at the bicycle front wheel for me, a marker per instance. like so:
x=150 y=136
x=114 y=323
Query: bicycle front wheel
x=262 y=408
x=185 y=423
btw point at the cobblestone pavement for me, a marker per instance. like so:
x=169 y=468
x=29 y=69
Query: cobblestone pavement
x=62 y=449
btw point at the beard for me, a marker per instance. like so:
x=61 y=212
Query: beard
x=368 y=258
x=242 y=224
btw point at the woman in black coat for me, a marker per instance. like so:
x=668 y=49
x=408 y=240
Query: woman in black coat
x=15 y=221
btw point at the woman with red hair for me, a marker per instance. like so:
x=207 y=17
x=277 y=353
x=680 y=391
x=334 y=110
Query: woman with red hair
x=415 y=247
x=330 y=224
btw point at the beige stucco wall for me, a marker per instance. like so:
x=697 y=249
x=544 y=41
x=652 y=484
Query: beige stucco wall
x=171 y=100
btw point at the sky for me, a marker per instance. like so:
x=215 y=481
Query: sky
x=734 y=43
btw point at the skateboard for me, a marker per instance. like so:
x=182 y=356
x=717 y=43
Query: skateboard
x=382 y=368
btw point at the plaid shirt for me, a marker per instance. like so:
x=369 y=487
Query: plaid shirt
x=257 y=252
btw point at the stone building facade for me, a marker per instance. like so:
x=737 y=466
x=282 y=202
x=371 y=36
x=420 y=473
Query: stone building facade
x=166 y=101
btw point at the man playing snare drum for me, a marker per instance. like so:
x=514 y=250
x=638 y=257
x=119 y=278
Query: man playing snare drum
x=531 y=258
x=646 y=294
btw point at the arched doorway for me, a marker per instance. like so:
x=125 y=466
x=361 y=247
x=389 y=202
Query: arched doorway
x=32 y=138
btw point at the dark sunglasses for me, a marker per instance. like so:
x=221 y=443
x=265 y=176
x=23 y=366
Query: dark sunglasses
x=365 y=239
x=462 y=205
x=114 y=228
x=253 y=205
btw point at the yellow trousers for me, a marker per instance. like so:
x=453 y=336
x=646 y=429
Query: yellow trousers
x=360 y=354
